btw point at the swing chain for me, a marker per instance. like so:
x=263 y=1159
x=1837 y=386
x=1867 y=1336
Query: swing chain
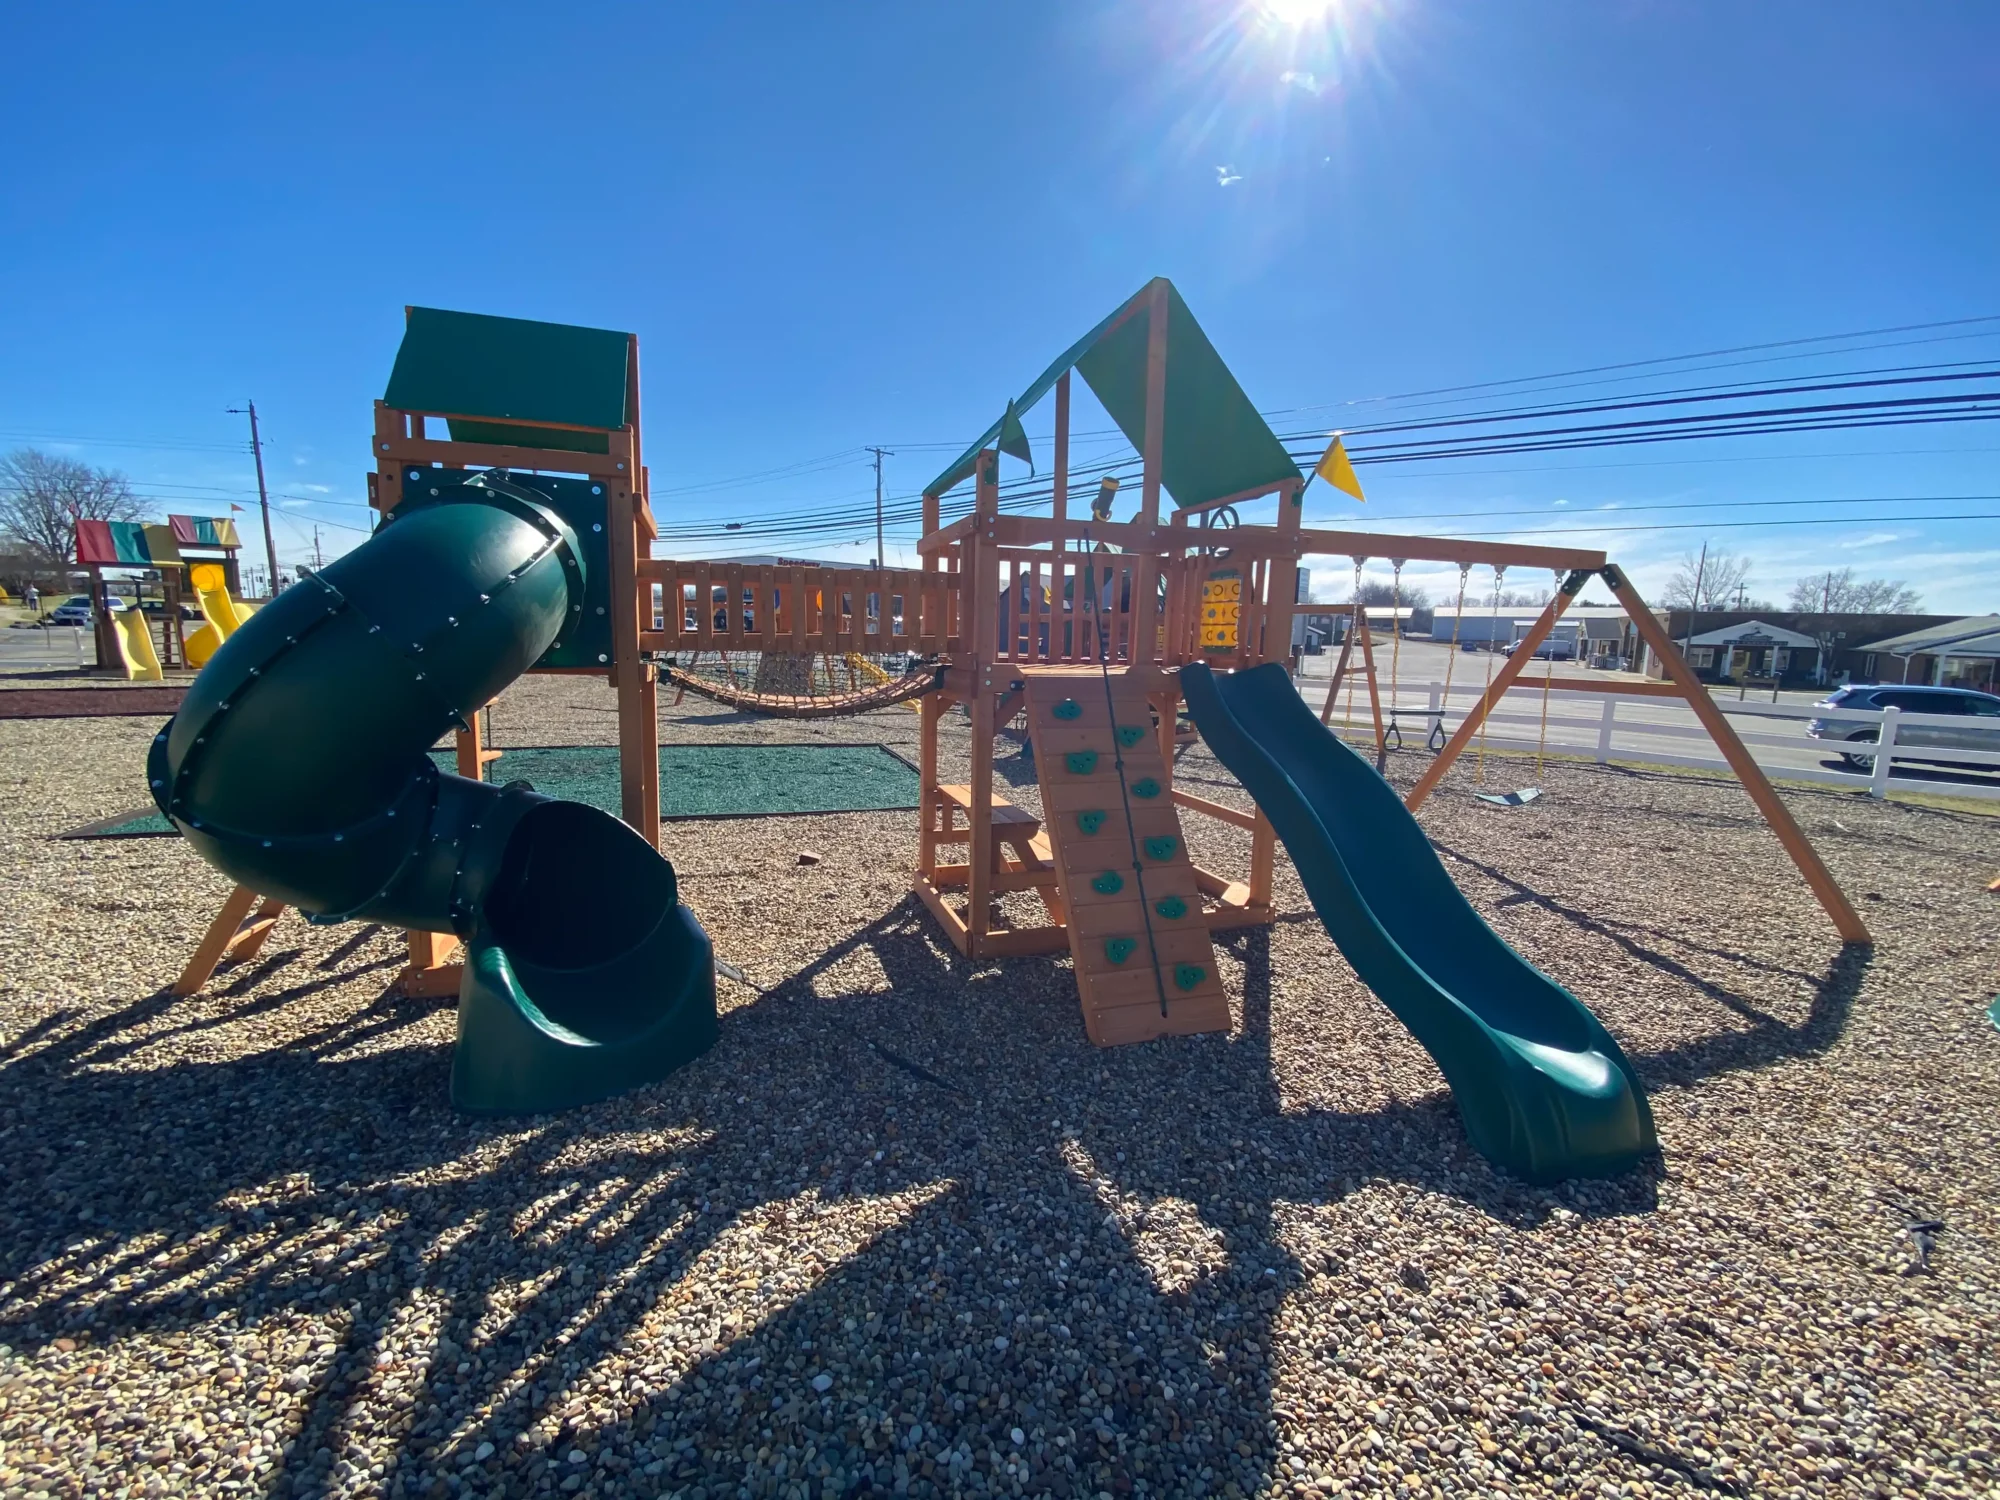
x=1436 y=740
x=1395 y=648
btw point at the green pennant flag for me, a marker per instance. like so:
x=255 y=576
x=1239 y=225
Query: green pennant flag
x=1014 y=438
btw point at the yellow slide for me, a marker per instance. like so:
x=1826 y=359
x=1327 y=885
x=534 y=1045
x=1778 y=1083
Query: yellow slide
x=135 y=646
x=222 y=613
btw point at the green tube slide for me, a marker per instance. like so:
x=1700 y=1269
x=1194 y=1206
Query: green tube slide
x=297 y=766
x=1542 y=1087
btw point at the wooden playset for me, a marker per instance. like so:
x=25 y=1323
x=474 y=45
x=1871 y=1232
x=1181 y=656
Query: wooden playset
x=1083 y=624
x=1080 y=624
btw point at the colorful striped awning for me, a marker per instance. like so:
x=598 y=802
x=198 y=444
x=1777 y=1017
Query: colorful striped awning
x=128 y=544
x=204 y=531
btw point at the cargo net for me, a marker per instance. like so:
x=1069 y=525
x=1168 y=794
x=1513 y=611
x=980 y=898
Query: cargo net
x=802 y=684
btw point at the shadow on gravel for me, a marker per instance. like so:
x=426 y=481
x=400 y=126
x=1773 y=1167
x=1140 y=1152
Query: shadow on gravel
x=489 y=1269
x=1765 y=1040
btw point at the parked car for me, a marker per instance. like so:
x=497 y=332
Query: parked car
x=1980 y=713
x=158 y=609
x=1555 y=648
x=74 y=611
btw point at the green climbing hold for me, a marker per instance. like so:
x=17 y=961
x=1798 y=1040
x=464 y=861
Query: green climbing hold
x=1187 y=976
x=1145 y=787
x=1163 y=847
x=1081 y=762
x=1173 y=908
x=1069 y=708
x=1130 y=735
x=1087 y=823
x=1119 y=949
x=1110 y=883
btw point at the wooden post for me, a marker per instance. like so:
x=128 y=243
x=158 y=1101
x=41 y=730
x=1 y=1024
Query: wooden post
x=1284 y=585
x=982 y=577
x=1146 y=567
x=1061 y=468
x=1496 y=690
x=1846 y=920
x=634 y=680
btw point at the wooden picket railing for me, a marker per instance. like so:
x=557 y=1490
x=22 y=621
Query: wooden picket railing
x=699 y=606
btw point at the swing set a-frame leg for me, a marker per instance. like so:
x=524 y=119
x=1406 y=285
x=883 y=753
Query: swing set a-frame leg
x=1339 y=672
x=1374 y=693
x=1846 y=920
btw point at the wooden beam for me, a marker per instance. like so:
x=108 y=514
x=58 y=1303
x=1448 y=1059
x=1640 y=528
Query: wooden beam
x=1495 y=690
x=1441 y=549
x=1374 y=688
x=1060 y=478
x=433 y=983
x=1339 y=671
x=1846 y=920
x=982 y=600
x=214 y=944
x=933 y=898
x=1216 y=810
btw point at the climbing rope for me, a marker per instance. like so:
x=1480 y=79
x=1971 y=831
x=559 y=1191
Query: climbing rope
x=1395 y=649
x=1492 y=646
x=1436 y=740
x=924 y=678
x=1542 y=739
x=1124 y=792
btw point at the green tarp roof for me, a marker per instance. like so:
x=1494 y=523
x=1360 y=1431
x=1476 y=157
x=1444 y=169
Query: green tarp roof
x=1215 y=444
x=480 y=366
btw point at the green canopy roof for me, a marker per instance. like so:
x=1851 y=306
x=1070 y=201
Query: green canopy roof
x=474 y=365
x=1216 y=444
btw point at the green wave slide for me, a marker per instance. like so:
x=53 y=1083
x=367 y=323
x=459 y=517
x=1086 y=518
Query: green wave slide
x=1542 y=1087
x=297 y=767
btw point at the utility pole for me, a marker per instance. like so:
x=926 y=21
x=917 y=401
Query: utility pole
x=881 y=555
x=318 y=561
x=1700 y=569
x=263 y=498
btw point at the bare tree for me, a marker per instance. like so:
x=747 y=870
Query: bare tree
x=1841 y=593
x=1383 y=595
x=1714 y=580
x=43 y=496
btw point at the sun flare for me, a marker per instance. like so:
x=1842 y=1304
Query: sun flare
x=1297 y=12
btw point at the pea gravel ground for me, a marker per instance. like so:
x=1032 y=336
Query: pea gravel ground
x=903 y=1230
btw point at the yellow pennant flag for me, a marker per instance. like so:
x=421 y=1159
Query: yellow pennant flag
x=1335 y=469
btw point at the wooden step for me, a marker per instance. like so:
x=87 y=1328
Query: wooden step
x=1144 y=964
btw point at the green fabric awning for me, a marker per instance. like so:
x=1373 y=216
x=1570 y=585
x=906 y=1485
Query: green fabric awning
x=1216 y=443
x=480 y=366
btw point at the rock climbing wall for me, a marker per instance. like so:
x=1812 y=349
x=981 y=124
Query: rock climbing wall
x=1079 y=743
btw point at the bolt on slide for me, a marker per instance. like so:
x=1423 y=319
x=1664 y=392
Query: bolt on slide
x=297 y=766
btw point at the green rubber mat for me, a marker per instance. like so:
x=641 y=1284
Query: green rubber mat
x=696 y=781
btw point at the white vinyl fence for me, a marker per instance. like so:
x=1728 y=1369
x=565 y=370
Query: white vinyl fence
x=1664 y=731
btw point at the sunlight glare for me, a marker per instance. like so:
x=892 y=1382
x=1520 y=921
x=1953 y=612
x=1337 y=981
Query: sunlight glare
x=1298 y=12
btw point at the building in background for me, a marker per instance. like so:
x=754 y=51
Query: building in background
x=1793 y=649
x=1600 y=635
x=1962 y=653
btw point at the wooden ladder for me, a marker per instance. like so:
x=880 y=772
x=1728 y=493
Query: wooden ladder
x=1078 y=742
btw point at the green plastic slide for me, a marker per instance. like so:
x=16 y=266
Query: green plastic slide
x=1543 y=1089
x=297 y=766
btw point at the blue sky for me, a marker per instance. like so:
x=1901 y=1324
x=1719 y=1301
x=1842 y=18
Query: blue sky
x=841 y=225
